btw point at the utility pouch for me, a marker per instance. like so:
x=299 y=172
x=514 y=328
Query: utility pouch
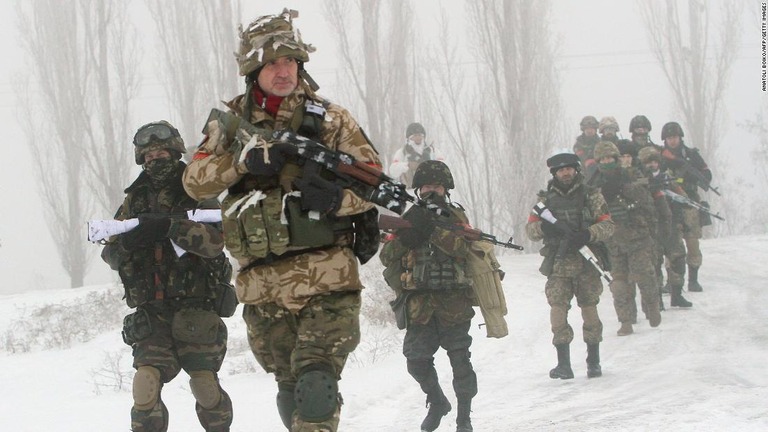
x=195 y=326
x=367 y=235
x=306 y=231
x=400 y=307
x=136 y=327
x=393 y=275
x=548 y=265
x=704 y=218
x=226 y=300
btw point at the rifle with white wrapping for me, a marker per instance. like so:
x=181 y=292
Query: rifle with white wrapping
x=99 y=230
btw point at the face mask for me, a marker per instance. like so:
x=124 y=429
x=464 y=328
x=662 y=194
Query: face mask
x=609 y=166
x=161 y=169
x=433 y=198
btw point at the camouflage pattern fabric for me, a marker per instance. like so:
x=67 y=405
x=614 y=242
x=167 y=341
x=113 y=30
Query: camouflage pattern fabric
x=572 y=275
x=215 y=169
x=325 y=331
x=669 y=239
x=584 y=148
x=189 y=339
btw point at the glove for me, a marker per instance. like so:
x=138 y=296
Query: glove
x=558 y=229
x=579 y=239
x=319 y=194
x=146 y=234
x=422 y=226
x=256 y=165
x=540 y=208
x=611 y=190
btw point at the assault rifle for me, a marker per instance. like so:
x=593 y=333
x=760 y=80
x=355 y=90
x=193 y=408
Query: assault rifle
x=585 y=252
x=690 y=169
x=100 y=230
x=392 y=223
x=369 y=182
x=691 y=203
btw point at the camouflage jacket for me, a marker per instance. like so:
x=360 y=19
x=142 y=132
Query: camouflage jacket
x=688 y=180
x=157 y=273
x=448 y=306
x=632 y=210
x=594 y=217
x=290 y=282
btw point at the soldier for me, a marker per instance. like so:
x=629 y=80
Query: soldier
x=292 y=234
x=609 y=128
x=582 y=218
x=585 y=144
x=631 y=247
x=640 y=127
x=179 y=298
x=682 y=161
x=428 y=264
x=669 y=239
x=415 y=151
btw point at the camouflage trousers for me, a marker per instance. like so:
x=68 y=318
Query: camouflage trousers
x=669 y=246
x=585 y=285
x=690 y=225
x=175 y=339
x=422 y=342
x=323 y=333
x=633 y=264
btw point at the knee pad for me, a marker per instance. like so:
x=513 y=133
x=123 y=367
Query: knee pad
x=317 y=394
x=146 y=388
x=205 y=388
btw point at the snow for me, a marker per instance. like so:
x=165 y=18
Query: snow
x=701 y=370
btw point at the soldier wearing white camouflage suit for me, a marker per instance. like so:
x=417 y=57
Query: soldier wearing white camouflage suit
x=299 y=277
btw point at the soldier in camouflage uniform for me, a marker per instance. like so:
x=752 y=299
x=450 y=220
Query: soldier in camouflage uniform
x=585 y=145
x=640 y=128
x=429 y=277
x=675 y=155
x=609 y=128
x=178 y=298
x=415 y=151
x=292 y=236
x=669 y=238
x=582 y=218
x=631 y=247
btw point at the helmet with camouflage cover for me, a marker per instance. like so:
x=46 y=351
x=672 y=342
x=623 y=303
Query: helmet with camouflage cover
x=639 y=121
x=647 y=154
x=588 y=122
x=562 y=160
x=159 y=135
x=606 y=149
x=432 y=172
x=608 y=123
x=268 y=38
x=671 y=129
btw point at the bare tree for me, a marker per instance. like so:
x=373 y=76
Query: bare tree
x=197 y=40
x=380 y=67
x=81 y=85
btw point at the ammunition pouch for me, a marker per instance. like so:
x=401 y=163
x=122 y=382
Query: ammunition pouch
x=705 y=219
x=367 y=235
x=136 y=327
x=225 y=302
x=400 y=307
x=548 y=265
x=393 y=275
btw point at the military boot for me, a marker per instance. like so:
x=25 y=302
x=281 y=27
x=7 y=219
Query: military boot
x=593 y=361
x=563 y=369
x=438 y=407
x=626 y=329
x=653 y=313
x=677 y=298
x=463 y=422
x=693 y=279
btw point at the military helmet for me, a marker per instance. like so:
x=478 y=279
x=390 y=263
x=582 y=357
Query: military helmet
x=608 y=122
x=415 y=128
x=627 y=147
x=432 y=172
x=159 y=135
x=671 y=129
x=647 y=154
x=562 y=160
x=588 y=122
x=606 y=149
x=268 y=38
x=639 y=121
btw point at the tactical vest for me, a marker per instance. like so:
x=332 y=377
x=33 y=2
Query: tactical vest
x=262 y=221
x=570 y=208
x=619 y=209
x=157 y=273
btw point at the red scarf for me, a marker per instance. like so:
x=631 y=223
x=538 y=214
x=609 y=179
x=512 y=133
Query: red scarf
x=270 y=105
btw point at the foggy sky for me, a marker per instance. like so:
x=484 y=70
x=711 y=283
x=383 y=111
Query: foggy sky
x=605 y=66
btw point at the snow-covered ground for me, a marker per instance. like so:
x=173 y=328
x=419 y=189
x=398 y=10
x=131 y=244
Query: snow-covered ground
x=702 y=369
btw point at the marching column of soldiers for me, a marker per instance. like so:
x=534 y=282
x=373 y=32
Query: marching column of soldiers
x=614 y=209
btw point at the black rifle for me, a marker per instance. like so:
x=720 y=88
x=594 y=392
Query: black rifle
x=690 y=169
x=392 y=223
x=691 y=203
